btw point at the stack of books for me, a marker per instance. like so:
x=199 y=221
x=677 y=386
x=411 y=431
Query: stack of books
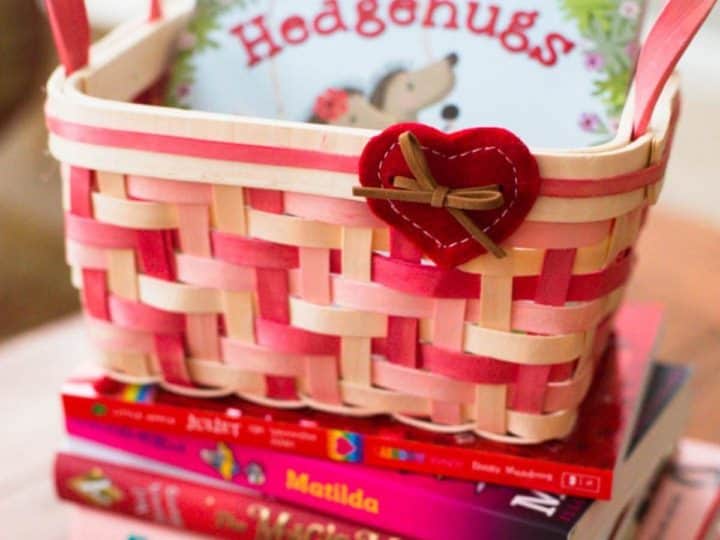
x=141 y=462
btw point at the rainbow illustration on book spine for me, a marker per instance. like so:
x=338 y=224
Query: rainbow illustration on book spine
x=557 y=72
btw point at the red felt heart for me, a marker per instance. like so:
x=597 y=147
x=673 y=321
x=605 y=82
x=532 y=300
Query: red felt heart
x=469 y=158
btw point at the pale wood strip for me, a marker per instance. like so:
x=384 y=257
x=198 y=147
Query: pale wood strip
x=496 y=302
x=228 y=210
x=491 y=408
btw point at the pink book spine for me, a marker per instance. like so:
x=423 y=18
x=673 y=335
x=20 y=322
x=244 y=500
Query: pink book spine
x=190 y=506
x=410 y=505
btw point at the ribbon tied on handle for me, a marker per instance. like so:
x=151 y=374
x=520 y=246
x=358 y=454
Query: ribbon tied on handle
x=425 y=189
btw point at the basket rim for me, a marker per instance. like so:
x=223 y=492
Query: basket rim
x=70 y=102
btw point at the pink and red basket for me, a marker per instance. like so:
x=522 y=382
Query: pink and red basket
x=221 y=255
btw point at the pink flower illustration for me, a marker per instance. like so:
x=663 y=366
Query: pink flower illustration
x=589 y=122
x=331 y=104
x=186 y=41
x=632 y=49
x=629 y=9
x=594 y=61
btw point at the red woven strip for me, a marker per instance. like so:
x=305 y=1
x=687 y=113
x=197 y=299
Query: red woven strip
x=201 y=148
x=94 y=290
x=156 y=11
x=551 y=187
x=554 y=280
x=402 y=332
x=424 y=280
x=467 y=367
x=272 y=292
x=171 y=356
x=101 y=235
x=273 y=289
x=266 y=200
x=552 y=289
x=588 y=287
x=583 y=287
x=253 y=253
x=137 y=316
x=71 y=30
x=81 y=184
x=529 y=392
x=156 y=254
x=310 y=159
x=288 y=339
x=95 y=293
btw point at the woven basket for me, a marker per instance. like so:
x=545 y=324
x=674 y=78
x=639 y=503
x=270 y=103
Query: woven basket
x=221 y=255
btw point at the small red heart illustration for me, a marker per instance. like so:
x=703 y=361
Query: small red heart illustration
x=343 y=447
x=457 y=162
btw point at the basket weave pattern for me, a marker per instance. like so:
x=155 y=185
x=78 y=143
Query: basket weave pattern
x=257 y=282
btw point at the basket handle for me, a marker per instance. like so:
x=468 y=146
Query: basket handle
x=71 y=30
x=668 y=39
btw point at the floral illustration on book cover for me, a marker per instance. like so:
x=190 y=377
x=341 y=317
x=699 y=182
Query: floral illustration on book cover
x=556 y=73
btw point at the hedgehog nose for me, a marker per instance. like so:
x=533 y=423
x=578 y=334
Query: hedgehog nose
x=452 y=59
x=450 y=112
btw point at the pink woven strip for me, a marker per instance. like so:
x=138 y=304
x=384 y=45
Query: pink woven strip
x=331 y=210
x=94 y=233
x=112 y=337
x=322 y=376
x=169 y=191
x=253 y=253
x=420 y=383
x=368 y=296
x=314 y=275
x=445 y=412
x=288 y=339
x=257 y=359
x=214 y=274
x=540 y=235
x=448 y=323
x=565 y=396
x=138 y=316
x=449 y=330
x=84 y=256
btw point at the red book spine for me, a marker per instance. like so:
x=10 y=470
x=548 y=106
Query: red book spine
x=190 y=506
